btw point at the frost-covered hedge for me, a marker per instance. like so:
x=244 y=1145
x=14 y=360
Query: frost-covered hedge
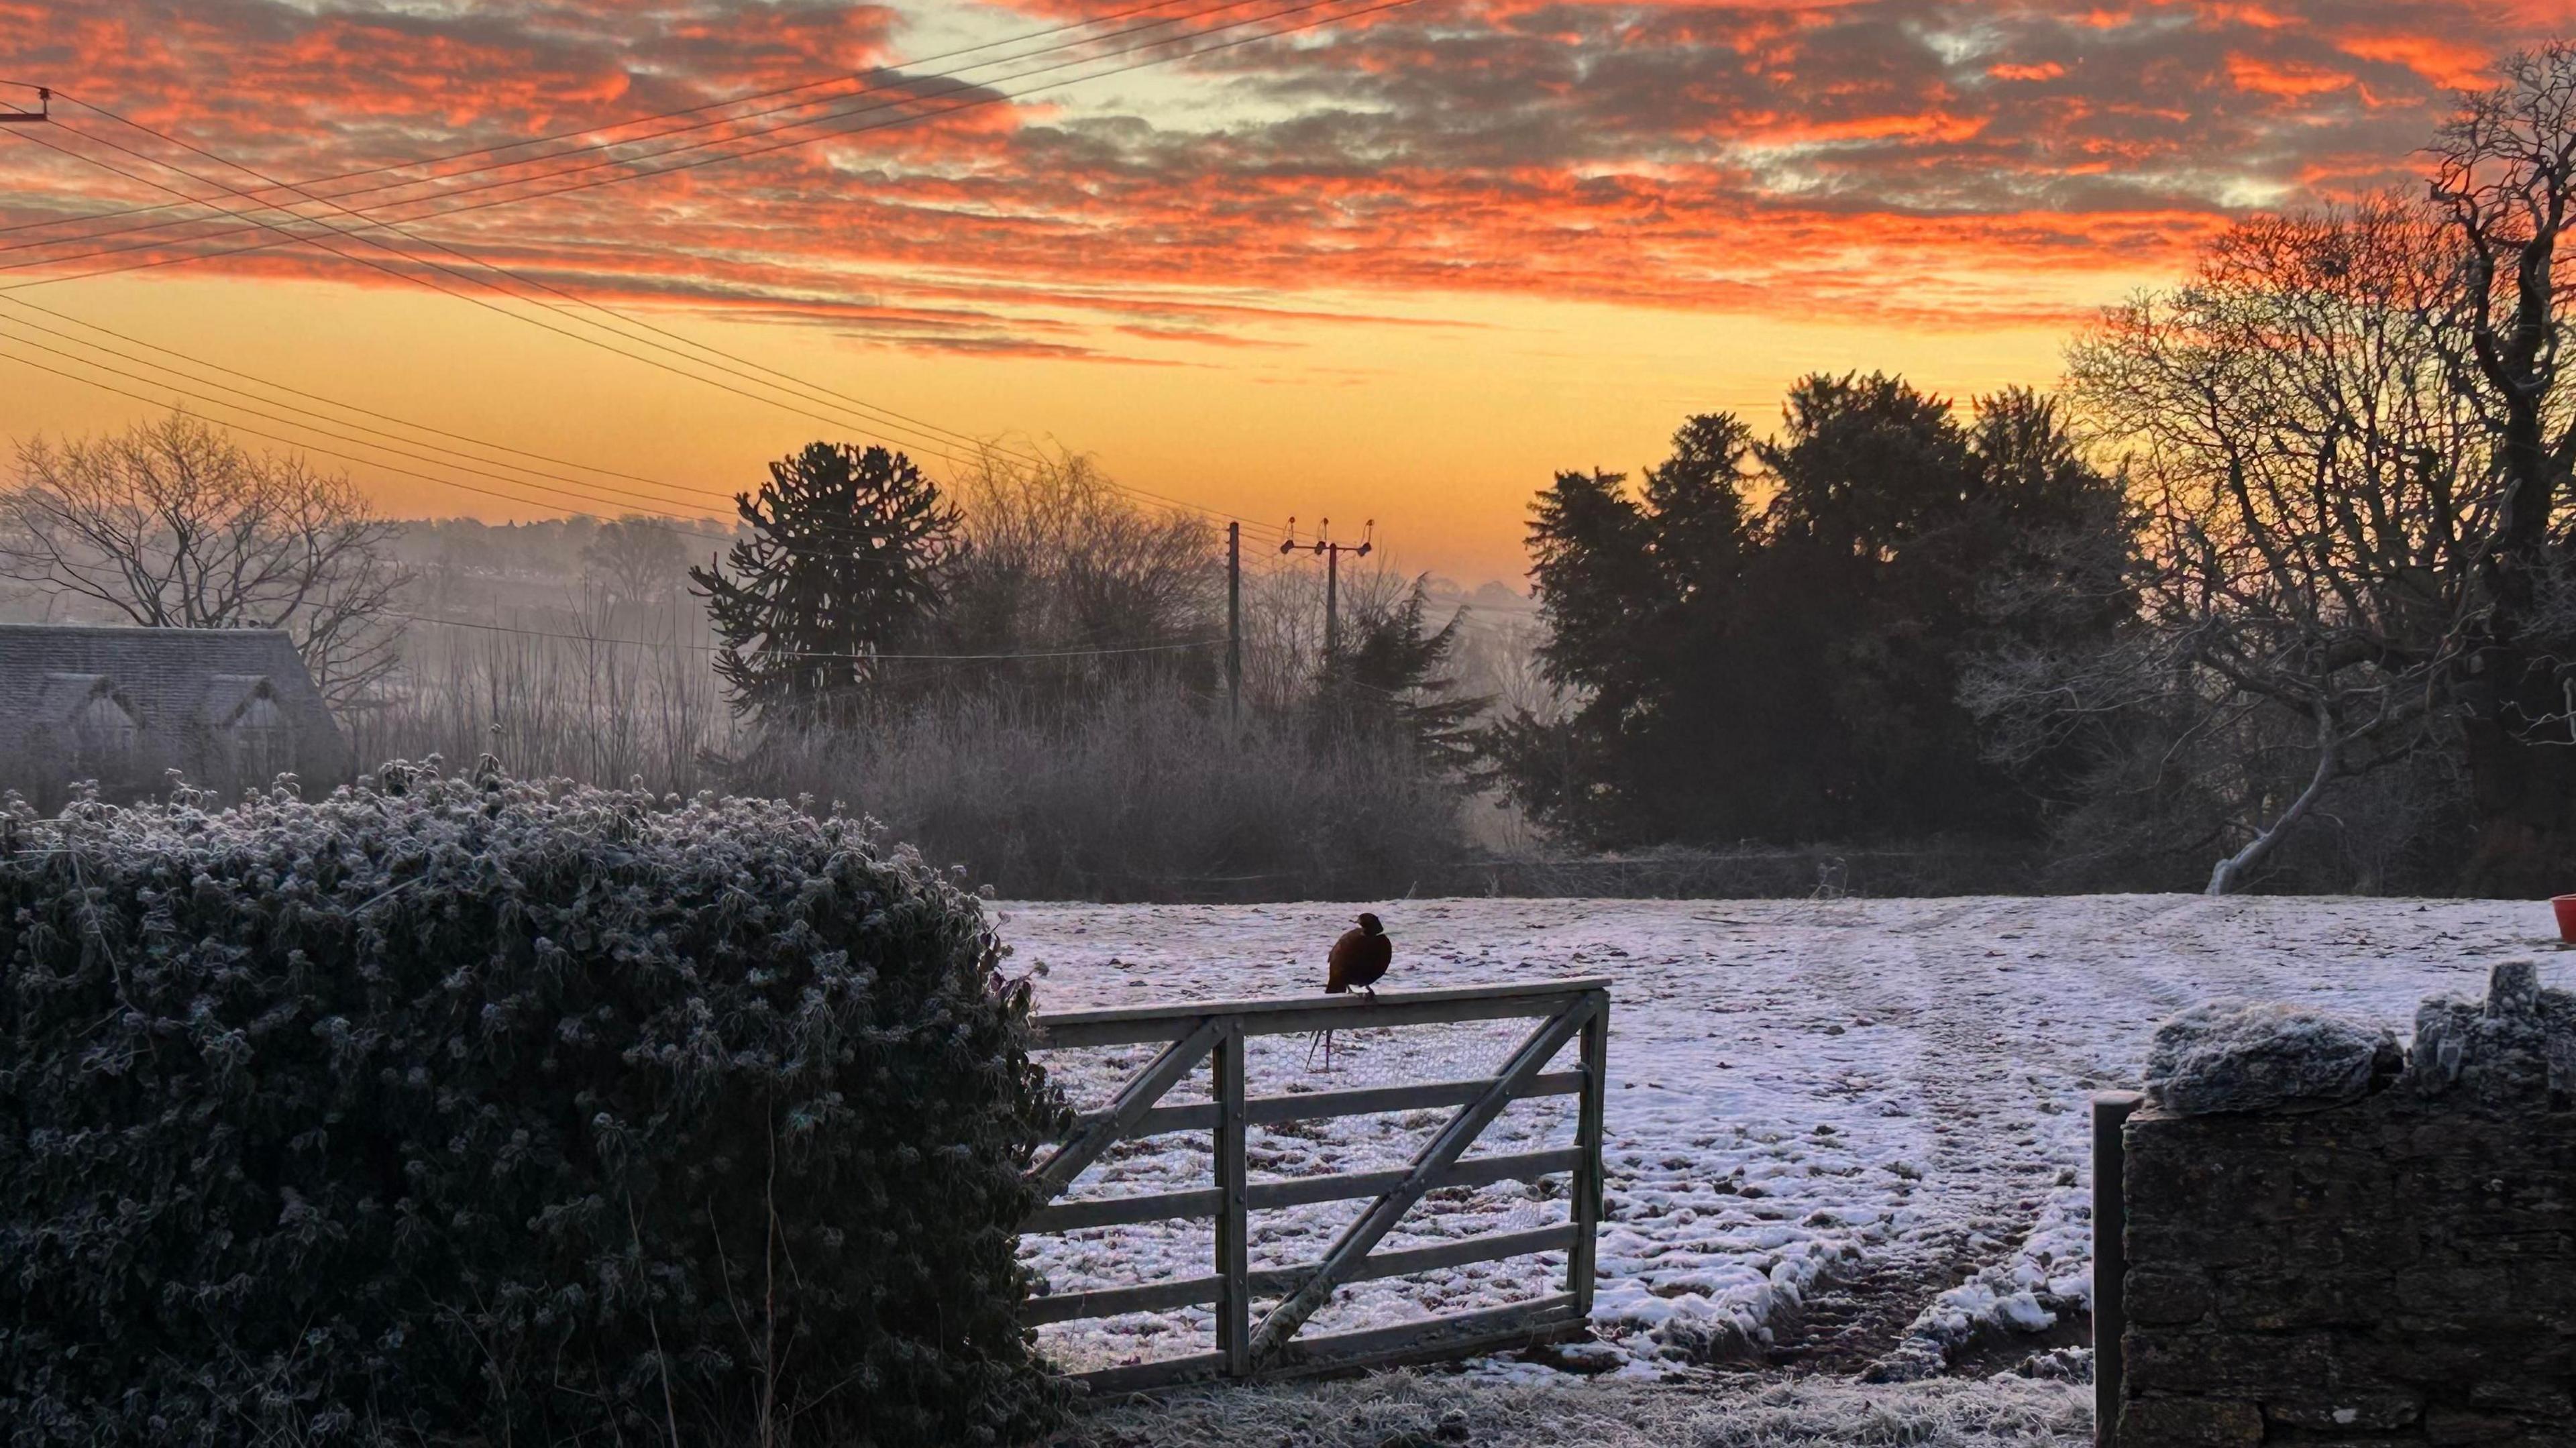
x=482 y=1110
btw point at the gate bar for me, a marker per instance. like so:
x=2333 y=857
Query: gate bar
x=1289 y=1015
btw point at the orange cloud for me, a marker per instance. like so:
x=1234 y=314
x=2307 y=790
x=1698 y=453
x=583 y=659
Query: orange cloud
x=1851 y=159
x=2450 y=63
x=2275 y=78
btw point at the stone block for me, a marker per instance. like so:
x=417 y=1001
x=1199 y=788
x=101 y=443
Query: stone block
x=2444 y=1426
x=2439 y=1357
x=2260 y=1058
x=2164 y=1240
x=2544 y=1296
x=2462 y=1290
x=2167 y=1298
x=2275 y=1301
x=2370 y=1251
x=2547 y=1402
x=2225 y=1363
x=2509 y=1051
x=2190 y=1423
x=2369 y=1410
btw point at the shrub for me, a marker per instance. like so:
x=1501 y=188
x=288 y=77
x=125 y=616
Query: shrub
x=1137 y=794
x=497 y=1111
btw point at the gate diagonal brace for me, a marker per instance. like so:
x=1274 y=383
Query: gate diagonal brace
x=1107 y=1129
x=1362 y=1236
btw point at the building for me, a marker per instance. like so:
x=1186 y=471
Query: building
x=228 y=708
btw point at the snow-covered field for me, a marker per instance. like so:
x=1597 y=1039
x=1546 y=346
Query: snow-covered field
x=1877 y=1104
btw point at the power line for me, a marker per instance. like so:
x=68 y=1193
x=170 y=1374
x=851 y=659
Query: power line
x=958 y=87
x=1168 y=647
x=325 y=451
x=608 y=504
x=398 y=275
x=717 y=495
x=864 y=422
x=326 y=432
x=871 y=414
x=663 y=522
x=287 y=235
x=856 y=77
x=574 y=491
x=260 y=224
x=988 y=96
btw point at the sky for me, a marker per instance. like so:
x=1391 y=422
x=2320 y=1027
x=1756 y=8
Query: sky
x=1328 y=259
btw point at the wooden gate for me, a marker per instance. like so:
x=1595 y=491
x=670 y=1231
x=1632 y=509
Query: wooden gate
x=1271 y=1346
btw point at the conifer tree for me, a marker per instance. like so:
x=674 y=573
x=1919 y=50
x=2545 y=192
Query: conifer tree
x=1392 y=673
x=1790 y=671
x=847 y=554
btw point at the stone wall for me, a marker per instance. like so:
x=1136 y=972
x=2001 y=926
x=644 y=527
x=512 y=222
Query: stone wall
x=2396 y=1264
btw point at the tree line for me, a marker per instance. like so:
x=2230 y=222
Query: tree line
x=2292 y=550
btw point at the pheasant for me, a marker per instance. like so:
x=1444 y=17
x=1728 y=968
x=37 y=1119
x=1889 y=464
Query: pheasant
x=1358 y=962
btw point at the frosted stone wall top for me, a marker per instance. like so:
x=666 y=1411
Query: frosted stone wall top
x=2264 y=1058
x=2516 y=1047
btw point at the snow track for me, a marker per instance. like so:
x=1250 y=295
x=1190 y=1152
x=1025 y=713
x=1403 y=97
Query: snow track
x=1838 y=1132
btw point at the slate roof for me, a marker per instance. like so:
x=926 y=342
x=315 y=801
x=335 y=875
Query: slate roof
x=182 y=687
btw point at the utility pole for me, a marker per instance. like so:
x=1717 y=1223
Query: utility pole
x=42 y=113
x=1331 y=553
x=1233 y=621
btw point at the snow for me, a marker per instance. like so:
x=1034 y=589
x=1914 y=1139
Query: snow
x=2261 y=1057
x=1801 y=1092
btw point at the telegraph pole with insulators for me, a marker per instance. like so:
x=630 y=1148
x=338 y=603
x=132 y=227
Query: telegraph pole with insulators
x=1331 y=553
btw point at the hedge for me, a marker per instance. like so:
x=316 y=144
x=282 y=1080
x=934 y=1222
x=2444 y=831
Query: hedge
x=461 y=1110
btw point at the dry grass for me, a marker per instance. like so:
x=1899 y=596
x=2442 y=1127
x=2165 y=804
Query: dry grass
x=1122 y=790
x=1135 y=794
x=1410 y=1410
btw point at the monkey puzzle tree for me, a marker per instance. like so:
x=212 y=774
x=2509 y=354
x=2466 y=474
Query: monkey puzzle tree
x=846 y=554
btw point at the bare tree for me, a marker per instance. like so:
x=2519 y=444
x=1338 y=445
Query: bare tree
x=635 y=559
x=2504 y=186
x=2312 y=503
x=170 y=524
x=1060 y=559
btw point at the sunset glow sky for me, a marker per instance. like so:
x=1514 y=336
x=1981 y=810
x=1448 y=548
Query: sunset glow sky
x=1403 y=264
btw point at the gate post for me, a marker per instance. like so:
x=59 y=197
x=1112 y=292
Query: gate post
x=1233 y=1234
x=1587 y=1172
x=2111 y=1111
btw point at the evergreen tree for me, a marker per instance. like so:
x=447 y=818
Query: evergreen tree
x=847 y=552
x=1642 y=593
x=1390 y=674
x=1792 y=673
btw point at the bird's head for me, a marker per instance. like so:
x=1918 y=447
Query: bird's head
x=1369 y=923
